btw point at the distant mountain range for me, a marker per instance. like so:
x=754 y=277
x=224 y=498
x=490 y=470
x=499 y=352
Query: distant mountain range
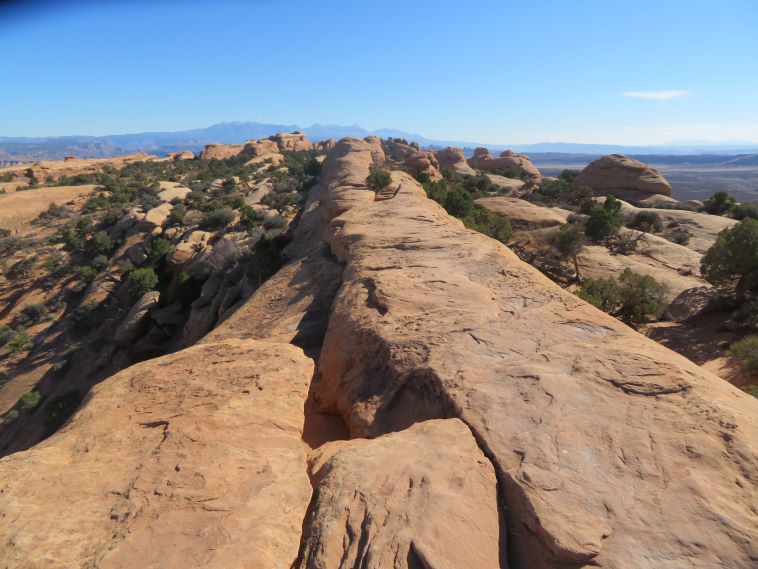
x=41 y=148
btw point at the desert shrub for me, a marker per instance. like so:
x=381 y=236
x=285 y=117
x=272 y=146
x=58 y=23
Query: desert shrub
x=747 y=351
x=29 y=400
x=568 y=175
x=54 y=211
x=11 y=244
x=85 y=273
x=378 y=178
x=20 y=342
x=159 y=248
x=749 y=209
x=604 y=221
x=275 y=222
x=142 y=281
x=641 y=297
x=586 y=206
x=732 y=261
x=4 y=232
x=436 y=190
x=30 y=315
x=250 y=218
x=97 y=203
x=459 y=203
x=491 y=224
x=601 y=293
x=6 y=334
x=647 y=221
x=99 y=262
x=750 y=390
x=234 y=202
x=568 y=243
x=634 y=298
x=176 y=217
x=281 y=201
x=265 y=259
x=99 y=244
x=217 y=218
x=22 y=268
x=720 y=203
x=53 y=262
x=10 y=417
x=623 y=244
x=681 y=237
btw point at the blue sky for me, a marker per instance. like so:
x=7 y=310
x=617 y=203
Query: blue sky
x=642 y=72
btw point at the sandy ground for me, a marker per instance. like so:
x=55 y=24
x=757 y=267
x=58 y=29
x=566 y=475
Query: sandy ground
x=19 y=208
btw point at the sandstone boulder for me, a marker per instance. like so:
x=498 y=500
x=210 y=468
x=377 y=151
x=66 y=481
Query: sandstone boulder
x=377 y=152
x=615 y=173
x=131 y=325
x=423 y=163
x=398 y=500
x=452 y=158
x=692 y=303
x=525 y=215
x=508 y=160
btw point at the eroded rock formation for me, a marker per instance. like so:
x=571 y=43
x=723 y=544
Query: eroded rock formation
x=481 y=401
x=508 y=160
x=623 y=177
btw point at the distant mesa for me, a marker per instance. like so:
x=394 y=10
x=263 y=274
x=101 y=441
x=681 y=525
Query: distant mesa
x=623 y=177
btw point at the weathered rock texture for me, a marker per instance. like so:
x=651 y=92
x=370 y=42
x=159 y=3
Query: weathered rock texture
x=191 y=460
x=611 y=450
x=523 y=214
x=602 y=448
x=624 y=177
x=423 y=497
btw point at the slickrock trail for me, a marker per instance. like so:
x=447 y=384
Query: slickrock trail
x=495 y=420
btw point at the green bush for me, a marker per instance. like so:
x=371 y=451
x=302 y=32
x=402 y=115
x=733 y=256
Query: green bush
x=378 y=178
x=29 y=400
x=720 y=203
x=681 y=237
x=747 y=350
x=601 y=293
x=749 y=209
x=85 y=273
x=568 y=242
x=53 y=262
x=265 y=259
x=20 y=342
x=176 y=217
x=159 y=248
x=732 y=261
x=217 y=218
x=22 y=268
x=99 y=244
x=459 y=203
x=491 y=224
x=605 y=221
x=142 y=281
x=647 y=221
x=250 y=218
x=641 y=298
x=634 y=298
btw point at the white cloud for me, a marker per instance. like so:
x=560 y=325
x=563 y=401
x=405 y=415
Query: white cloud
x=656 y=95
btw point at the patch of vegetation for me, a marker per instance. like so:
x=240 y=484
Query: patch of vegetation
x=681 y=237
x=633 y=298
x=265 y=259
x=604 y=221
x=720 y=203
x=647 y=221
x=217 y=218
x=747 y=351
x=732 y=261
x=378 y=178
x=29 y=400
x=568 y=243
x=749 y=209
x=142 y=281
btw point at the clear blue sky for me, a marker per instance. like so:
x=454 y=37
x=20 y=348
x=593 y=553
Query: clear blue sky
x=641 y=72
